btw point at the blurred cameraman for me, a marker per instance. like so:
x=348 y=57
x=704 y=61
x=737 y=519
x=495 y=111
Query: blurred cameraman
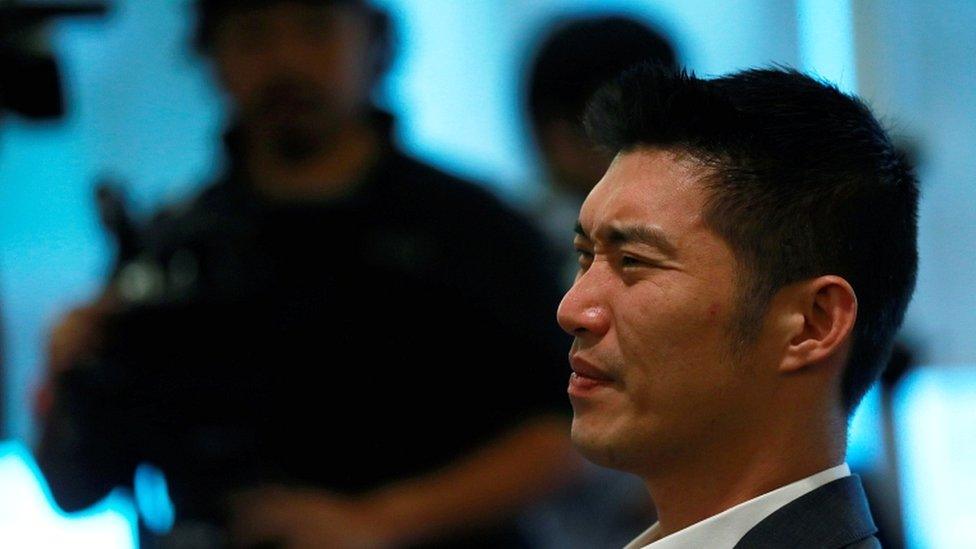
x=334 y=345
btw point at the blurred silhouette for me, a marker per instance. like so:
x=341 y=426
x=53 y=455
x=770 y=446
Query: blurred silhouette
x=882 y=483
x=603 y=508
x=569 y=65
x=334 y=345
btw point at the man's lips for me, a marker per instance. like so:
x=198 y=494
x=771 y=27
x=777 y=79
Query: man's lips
x=585 y=369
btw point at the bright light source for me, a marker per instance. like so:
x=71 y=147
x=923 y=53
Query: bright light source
x=152 y=499
x=30 y=519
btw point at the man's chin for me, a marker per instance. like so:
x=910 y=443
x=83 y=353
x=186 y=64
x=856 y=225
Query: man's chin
x=595 y=443
x=299 y=145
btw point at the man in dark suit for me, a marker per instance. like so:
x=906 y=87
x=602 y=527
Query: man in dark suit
x=744 y=264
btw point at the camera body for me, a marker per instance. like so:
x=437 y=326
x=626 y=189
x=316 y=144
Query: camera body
x=178 y=380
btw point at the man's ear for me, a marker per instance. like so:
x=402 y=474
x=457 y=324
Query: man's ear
x=823 y=314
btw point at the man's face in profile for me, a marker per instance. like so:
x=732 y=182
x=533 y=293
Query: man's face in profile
x=652 y=311
x=296 y=73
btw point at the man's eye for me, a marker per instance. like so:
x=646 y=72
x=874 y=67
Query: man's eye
x=630 y=261
x=584 y=257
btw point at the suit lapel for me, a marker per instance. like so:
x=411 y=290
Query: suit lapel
x=832 y=516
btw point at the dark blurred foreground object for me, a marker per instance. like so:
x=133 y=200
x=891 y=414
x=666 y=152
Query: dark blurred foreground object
x=30 y=83
x=330 y=318
x=241 y=358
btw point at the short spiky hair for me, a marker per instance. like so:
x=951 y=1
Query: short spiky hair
x=803 y=181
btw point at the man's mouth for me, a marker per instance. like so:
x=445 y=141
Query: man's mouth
x=586 y=377
x=587 y=369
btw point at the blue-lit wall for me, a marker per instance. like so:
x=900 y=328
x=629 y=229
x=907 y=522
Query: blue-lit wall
x=142 y=110
x=917 y=65
x=458 y=81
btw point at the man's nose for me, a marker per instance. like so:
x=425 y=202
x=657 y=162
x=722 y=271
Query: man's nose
x=286 y=49
x=582 y=311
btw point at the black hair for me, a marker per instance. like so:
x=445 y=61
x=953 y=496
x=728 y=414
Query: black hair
x=802 y=181
x=580 y=55
x=210 y=12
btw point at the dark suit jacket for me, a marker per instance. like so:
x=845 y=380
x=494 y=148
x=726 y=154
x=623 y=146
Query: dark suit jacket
x=834 y=516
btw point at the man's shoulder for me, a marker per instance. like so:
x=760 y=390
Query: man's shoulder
x=869 y=542
x=461 y=208
x=834 y=516
x=416 y=183
x=212 y=207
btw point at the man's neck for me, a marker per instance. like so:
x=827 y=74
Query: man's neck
x=696 y=489
x=333 y=172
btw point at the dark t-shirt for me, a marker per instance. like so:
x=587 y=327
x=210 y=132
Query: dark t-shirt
x=344 y=344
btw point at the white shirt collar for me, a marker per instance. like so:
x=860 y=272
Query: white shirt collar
x=724 y=530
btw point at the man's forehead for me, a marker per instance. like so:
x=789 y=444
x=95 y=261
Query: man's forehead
x=288 y=8
x=644 y=187
x=226 y=5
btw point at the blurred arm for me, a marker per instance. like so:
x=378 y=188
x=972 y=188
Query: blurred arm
x=486 y=486
x=482 y=488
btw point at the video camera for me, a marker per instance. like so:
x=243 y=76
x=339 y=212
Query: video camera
x=172 y=383
x=30 y=82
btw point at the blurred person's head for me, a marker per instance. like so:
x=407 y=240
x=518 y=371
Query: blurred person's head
x=297 y=72
x=571 y=63
x=745 y=264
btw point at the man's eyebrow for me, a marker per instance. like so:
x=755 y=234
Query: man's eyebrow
x=580 y=232
x=648 y=235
